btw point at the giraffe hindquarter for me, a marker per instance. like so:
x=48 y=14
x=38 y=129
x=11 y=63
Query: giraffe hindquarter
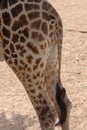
x=32 y=39
x=28 y=30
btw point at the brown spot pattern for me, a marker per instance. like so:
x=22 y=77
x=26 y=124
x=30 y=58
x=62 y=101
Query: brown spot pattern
x=42 y=65
x=23 y=51
x=38 y=1
x=6 y=57
x=32 y=90
x=51 y=27
x=45 y=16
x=36 y=24
x=23 y=20
x=16 y=10
x=20 y=23
x=15 y=62
x=38 y=60
x=31 y=7
x=29 y=69
x=29 y=58
x=5 y=42
x=34 y=76
x=7 y=51
x=6 y=18
x=22 y=39
x=35 y=67
x=45 y=6
x=44 y=28
x=14 y=55
x=33 y=15
x=6 y=32
x=4 y=4
x=12 y=48
x=15 y=38
x=19 y=47
x=26 y=32
x=11 y=2
x=37 y=36
x=60 y=23
x=32 y=48
x=54 y=12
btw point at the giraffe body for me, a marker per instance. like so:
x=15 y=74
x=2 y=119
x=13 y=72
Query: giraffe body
x=32 y=40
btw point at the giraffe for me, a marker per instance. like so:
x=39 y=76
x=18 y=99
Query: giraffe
x=32 y=33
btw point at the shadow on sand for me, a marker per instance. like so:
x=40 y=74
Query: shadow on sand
x=16 y=122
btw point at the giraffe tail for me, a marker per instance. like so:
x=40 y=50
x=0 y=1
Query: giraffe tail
x=60 y=90
x=60 y=95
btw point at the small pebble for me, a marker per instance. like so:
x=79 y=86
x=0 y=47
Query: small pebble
x=77 y=59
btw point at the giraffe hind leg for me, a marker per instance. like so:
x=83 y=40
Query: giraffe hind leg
x=56 y=91
x=32 y=78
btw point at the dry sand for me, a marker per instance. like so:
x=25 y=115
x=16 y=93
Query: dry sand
x=16 y=111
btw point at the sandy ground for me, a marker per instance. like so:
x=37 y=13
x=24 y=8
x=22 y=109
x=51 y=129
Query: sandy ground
x=16 y=111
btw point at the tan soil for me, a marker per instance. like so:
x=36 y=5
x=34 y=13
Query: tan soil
x=16 y=111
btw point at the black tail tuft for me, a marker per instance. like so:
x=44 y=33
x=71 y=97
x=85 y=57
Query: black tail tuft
x=60 y=94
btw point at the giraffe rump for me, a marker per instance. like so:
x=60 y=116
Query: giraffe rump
x=32 y=35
